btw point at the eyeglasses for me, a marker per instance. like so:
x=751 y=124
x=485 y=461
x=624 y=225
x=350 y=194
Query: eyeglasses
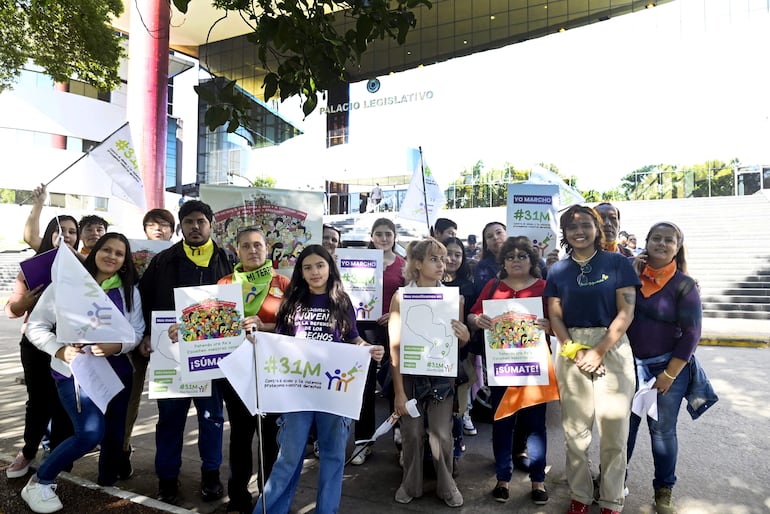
x=582 y=279
x=517 y=257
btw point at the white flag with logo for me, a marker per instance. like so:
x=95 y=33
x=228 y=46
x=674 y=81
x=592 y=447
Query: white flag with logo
x=568 y=195
x=117 y=156
x=84 y=312
x=423 y=194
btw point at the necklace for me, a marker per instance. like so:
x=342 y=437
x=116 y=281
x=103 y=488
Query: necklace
x=582 y=262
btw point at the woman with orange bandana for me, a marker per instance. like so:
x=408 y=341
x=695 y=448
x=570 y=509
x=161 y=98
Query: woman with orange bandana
x=664 y=334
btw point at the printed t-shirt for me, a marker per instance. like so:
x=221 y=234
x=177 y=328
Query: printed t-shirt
x=314 y=322
x=592 y=304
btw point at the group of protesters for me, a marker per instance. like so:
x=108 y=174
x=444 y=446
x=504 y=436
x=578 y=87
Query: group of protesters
x=621 y=320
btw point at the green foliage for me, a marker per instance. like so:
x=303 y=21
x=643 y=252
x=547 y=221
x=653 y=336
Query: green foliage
x=264 y=182
x=479 y=188
x=301 y=48
x=67 y=38
x=656 y=181
x=7 y=195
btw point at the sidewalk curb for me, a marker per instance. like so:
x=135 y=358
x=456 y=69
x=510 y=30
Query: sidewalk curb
x=735 y=342
x=116 y=492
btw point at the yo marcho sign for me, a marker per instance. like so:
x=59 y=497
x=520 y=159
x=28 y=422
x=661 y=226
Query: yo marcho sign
x=290 y=220
x=209 y=320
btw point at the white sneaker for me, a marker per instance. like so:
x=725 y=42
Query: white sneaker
x=41 y=497
x=397 y=440
x=468 y=427
x=19 y=467
x=361 y=452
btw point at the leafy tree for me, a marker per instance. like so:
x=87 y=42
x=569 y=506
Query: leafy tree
x=264 y=182
x=302 y=49
x=67 y=38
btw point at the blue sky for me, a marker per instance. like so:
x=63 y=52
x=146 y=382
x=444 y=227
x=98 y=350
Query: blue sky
x=677 y=84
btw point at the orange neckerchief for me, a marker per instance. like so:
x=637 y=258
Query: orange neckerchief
x=611 y=246
x=653 y=279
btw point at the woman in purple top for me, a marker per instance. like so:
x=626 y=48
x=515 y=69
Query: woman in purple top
x=665 y=331
x=315 y=307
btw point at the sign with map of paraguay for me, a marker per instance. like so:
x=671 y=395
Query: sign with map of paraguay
x=517 y=351
x=361 y=273
x=428 y=343
x=209 y=320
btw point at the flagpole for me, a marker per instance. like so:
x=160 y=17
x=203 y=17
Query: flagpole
x=261 y=453
x=424 y=190
x=62 y=172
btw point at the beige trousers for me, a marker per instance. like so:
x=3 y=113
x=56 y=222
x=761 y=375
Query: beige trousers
x=587 y=398
x=438 y=416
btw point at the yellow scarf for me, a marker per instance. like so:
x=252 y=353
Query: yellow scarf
x=200 y=255
x=653 y=279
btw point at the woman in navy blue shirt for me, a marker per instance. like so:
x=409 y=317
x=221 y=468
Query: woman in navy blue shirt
x=591 y=298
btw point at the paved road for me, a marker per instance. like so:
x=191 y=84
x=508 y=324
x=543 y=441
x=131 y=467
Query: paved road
x=723 y=465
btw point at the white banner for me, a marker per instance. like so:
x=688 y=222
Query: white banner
x=420 y=197
x=361 y=272
x=532 y=213
x=117 y=157
x=165 y=372
x=210 y=327
x=516 y=350
x=84 y=312
x=295 y=374
x=428 y=343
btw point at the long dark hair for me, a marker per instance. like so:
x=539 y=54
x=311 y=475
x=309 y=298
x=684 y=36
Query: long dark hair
x=299 y=294
x=567 y=218
x=388 y=223
x=681 y=260
x=127 y=272
x=464 y=271
x=485 y=253
x=46 y=242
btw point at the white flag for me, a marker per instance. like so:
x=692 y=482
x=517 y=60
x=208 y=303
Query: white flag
x=84 y=312
x=567 y=195
x=117 y=157
x=420 y=198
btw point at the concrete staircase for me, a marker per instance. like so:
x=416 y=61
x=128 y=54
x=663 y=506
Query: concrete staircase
x=9 y=269
x=727 y=240
x=728 y=248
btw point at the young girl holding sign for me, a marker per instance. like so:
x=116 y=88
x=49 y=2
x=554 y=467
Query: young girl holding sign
x=425 y=268
x=316 y=307
x=110 y=264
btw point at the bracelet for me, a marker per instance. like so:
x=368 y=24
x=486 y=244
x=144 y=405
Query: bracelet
x=669 y=376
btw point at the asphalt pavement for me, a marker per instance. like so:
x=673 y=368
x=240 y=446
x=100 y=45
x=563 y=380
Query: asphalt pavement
x=723 y=456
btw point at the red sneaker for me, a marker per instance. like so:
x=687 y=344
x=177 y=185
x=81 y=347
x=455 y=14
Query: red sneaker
x=575 y=507
x=605 y=510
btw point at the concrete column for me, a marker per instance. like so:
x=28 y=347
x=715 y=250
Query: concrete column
x=148 y=49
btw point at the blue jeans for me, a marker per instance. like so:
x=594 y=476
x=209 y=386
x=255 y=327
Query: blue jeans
x=532 y=421
x=91 y=428
x=294 y=428
x=663 y=431
x=169 y=432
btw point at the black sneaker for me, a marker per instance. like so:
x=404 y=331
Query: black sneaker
x=125 y=469
x=539 y=496
x=211 y=487
x=168 y=490
x=501 y=494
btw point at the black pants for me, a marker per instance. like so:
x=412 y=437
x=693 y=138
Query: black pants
x=242 y=428
x=43 y=403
